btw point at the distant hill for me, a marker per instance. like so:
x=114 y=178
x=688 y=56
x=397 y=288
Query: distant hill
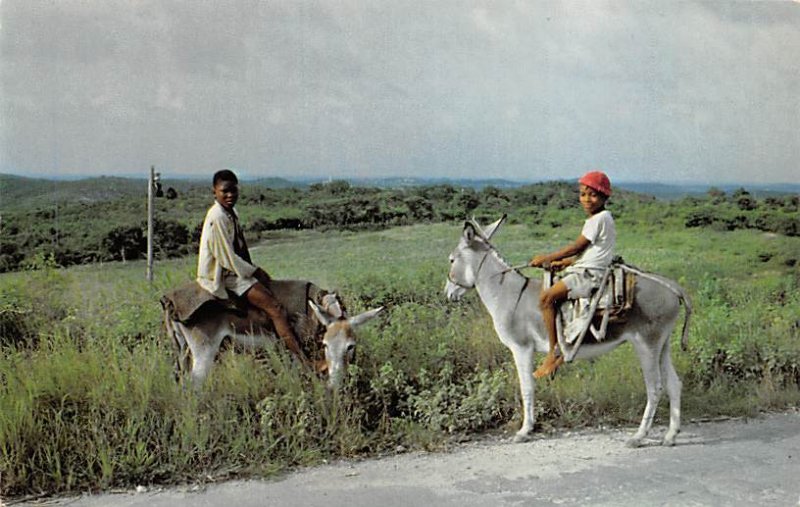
x=23 y=192
x=416 y=182
x=19 y=191
x=677 y=191
x=274 y=183
x=660 y=190
x=103 y=218
x=30 y=193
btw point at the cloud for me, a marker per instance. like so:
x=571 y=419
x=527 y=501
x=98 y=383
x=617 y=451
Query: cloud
x=510 y=88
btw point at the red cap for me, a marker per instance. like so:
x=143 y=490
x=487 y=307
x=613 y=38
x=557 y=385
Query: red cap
x=598 y=181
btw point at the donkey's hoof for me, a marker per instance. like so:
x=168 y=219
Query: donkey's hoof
x=522 y=437
x=633 y=442
x=668 y=441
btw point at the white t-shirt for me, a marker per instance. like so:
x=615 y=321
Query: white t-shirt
x=599 y=229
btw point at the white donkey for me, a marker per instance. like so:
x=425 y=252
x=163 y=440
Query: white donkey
x=199 y=340
x=513 y=302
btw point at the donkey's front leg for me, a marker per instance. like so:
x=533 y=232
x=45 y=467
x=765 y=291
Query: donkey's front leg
x=523 y=358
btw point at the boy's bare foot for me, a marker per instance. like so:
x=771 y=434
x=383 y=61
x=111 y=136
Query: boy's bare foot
x=548 y=366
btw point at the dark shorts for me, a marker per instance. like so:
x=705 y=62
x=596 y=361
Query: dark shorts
x=238 y=285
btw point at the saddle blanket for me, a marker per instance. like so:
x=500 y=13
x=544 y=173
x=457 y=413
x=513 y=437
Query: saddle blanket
x=183 y=302
x=607 y=305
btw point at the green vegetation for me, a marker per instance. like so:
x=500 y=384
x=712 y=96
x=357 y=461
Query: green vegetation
x=87 y=397
x=103 y=219
x=88 y=400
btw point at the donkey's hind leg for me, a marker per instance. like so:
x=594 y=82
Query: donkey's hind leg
x=674 y=387
x=650 y=359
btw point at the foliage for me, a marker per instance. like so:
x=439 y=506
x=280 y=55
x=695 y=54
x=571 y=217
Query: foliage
x=125 y=242
x=743 y=211
x=88 y=401
x=107 y=219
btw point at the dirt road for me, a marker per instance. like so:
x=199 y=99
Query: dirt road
x=733 y=462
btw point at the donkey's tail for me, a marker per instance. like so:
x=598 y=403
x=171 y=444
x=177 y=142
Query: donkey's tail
x=687 y=309
x=181 y=365
x=676 y=289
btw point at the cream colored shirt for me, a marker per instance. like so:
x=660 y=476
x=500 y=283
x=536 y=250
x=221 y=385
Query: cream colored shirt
x=217 y=257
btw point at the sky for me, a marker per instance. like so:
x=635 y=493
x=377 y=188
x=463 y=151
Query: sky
x=659 y=91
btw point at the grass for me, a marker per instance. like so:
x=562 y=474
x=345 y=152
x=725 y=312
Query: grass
x=88 y=402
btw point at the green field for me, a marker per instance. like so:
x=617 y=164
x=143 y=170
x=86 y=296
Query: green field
x=88 y=400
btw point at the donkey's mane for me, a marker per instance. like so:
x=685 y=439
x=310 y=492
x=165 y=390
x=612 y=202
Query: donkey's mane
x=497 y=255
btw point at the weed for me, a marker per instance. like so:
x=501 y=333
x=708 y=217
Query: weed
x=88 y=402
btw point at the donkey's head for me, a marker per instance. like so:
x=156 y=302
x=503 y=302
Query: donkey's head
x=467 y=257
x=339 y=341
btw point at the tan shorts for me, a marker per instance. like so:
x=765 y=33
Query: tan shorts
x=581 y=283
x=238 y=285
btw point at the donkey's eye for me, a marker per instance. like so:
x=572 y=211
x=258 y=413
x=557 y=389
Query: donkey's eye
x=351 y=347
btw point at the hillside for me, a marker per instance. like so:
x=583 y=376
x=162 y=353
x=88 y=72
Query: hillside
x=677 y=191
x=104 y=219
x=30 y=192
x=87 y=372
x=19 y=192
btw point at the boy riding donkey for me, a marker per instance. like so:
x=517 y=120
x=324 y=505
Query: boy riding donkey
x=224 y=262
x=585 y=260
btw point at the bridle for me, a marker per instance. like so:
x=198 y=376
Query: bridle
x=489 y=250
x=477 y=272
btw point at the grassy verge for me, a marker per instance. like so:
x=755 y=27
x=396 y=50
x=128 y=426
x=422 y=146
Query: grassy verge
x=87 y=399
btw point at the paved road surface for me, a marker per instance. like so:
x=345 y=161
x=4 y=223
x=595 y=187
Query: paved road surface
x=734 y=462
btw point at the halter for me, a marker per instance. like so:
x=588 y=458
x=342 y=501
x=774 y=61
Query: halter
x=502 y=273
x=480 y=265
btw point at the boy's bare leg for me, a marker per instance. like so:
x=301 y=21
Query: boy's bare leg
x=547 y=303
x=260 y=297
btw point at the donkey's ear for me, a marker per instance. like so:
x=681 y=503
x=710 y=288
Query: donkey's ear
x=469 y=231
x=322 y=317
x=491 y=229
x=333 y=307
x=362 y=318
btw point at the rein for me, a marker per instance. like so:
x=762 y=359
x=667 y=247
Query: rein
x=503 y=272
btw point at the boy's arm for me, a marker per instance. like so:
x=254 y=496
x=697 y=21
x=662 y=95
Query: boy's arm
x=571 y=250
x=222 y=250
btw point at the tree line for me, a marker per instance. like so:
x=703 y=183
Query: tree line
x=115 y=230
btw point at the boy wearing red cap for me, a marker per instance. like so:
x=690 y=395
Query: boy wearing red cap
x=585 y=260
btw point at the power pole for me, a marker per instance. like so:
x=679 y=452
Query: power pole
x=151 y=187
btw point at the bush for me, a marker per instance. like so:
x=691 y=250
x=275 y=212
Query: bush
x=700 y=218
x=92 y=404
x=171 y=238
x=125 y=243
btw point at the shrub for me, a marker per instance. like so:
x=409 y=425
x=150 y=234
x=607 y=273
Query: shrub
x=171 y=238
x=125 y=243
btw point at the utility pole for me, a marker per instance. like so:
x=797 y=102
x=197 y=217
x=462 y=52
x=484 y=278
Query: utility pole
x=151 y=187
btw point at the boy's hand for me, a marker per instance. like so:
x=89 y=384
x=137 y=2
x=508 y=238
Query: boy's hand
x=538 y=261
x=558 y=265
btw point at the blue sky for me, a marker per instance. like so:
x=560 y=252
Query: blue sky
x=662 y=91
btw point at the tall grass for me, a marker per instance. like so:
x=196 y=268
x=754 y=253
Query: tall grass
x=88 y=401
